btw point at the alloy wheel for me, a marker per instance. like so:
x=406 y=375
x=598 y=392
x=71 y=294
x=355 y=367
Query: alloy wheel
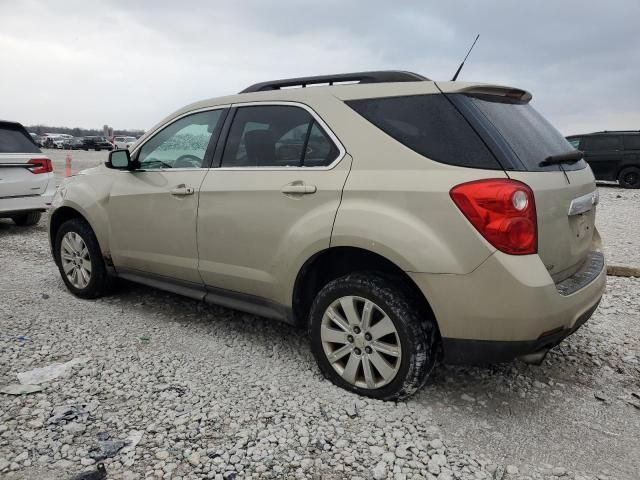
x=76 y=261
x=361 y=342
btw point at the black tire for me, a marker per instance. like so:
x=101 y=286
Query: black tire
x=27 y=219
x=99 y=281
x=629 y=177
x=418 y=335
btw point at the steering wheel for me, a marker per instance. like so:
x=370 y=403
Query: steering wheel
x=187 y=161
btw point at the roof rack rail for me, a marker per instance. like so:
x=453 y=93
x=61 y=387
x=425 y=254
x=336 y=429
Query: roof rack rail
x=383 y=76
x=617 y=131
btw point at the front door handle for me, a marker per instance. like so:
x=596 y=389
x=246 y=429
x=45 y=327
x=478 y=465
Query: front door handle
x=298 y=188
x=182 y=190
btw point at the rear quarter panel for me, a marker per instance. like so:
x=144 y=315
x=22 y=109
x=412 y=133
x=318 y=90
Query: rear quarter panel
x=396 y=202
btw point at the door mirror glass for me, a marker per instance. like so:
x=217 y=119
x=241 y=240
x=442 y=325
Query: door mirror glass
x=119 y=159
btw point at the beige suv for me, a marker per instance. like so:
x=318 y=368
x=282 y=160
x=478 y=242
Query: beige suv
x=397 y=219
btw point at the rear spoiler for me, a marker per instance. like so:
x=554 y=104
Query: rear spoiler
x=516 y=94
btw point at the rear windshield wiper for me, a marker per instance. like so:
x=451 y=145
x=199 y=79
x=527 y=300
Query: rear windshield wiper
x=569 y=157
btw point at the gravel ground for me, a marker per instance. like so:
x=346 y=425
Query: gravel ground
x=220 y=394
x=618 y=220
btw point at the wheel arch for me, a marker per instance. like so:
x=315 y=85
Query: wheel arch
x=335 y=262
x=63 y=214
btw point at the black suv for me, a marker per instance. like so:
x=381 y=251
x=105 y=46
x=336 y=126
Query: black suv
x=96 y=143
x=612 y=155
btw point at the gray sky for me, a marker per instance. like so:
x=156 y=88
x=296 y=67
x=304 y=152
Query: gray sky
x=130 y=63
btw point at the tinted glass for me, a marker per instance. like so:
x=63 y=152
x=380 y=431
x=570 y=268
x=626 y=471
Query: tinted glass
x=602 y=142
x=530 y=137
x=631 y=142
x=321 y=151
x=14 y=139
x=183 y=144
x=275 y=136
x=429 y=125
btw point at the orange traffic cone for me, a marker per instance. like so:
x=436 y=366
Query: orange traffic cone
x=67 y=165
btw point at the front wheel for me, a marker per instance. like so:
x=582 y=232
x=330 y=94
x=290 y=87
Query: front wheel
x=369 y=337
x=27 y=219
x=79 y=259
x=629 y=177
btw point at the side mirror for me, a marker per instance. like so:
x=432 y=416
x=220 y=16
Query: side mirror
x=120 y=160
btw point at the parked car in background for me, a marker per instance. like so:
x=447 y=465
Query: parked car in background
x=61 y=139
x=72 y=143
x=123 y=142
x=395 y=220
x=26 y=176
x=96 y=143
x=612 y=155
x=36 y=138
x=48 y=139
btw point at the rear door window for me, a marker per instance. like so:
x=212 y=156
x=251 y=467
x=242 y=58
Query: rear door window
x=277 y=136
x=15 y=139
x=631 y=142
x=602 y=143
x=429 y=125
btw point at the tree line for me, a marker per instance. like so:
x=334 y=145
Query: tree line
x=80 y=132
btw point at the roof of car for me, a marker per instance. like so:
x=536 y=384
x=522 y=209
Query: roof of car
x=607 y=132
x=344 y=87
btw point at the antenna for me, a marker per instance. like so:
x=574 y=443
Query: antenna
x=455 y=77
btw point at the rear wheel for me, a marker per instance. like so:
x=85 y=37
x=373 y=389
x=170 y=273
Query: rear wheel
x=27 y=219
x=368 y=336
x=629 y=177
x=79 y=259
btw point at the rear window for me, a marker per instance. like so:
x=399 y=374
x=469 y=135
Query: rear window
x=15 y=139
x=529 y=138
x=429 y=125
x=631 y=142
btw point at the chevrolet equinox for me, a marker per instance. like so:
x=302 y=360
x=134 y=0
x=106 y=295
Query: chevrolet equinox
x=397 y=219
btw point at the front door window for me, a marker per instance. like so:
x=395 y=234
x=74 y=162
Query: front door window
x=183 y=144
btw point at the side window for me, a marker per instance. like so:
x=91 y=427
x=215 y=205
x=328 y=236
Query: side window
x=183 y=144
x=602 y=142
x=277 y=136
x=631 y=142
x=575 y=142
x=429 y=125
x=321 y=151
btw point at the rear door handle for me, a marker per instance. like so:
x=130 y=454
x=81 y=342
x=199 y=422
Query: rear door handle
x=182 y=190
x=298 y=189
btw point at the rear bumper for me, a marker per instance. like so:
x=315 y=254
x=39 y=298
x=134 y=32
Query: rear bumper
x=509 y=306
x=27 y=203
x=465 y=351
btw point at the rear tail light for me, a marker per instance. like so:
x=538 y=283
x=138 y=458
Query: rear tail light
x=40 y=165
x=503 y=211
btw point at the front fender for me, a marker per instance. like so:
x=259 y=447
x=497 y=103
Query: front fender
x=87 y=194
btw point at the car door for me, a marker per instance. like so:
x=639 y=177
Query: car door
x=631 y=143
x=152 y=210
x=272 y=200
x=604 y=154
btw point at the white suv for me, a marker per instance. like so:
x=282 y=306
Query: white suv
x=123 y=142
x=27 y=184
